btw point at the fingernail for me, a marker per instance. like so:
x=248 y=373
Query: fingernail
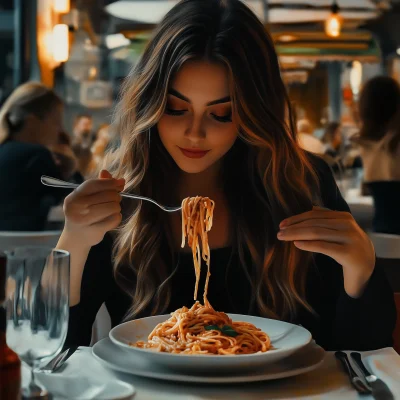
x=280 y=234
x=283 y=224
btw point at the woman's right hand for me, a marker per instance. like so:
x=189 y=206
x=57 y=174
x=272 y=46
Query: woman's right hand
x=92 y=210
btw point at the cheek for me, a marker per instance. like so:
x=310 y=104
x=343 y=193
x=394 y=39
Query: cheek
x=221 y=138
x=168 y=130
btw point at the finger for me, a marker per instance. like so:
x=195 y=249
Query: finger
x=108 y=196
x=98 y=212
x=81 y=205
x=104 y=174
x=314 y=214
x=333 y=250
x=330 y=223
x=313 y=233
x=109 y=223
x=99 y=185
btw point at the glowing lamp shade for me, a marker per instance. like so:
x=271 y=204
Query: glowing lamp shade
x=356 y=73
x=60 y=43
x=333 y=25
x=61 y=6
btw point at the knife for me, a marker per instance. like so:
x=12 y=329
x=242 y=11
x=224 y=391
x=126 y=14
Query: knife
x=380 y=391
x=355 y=380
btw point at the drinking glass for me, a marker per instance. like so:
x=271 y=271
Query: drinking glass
x=37 y=304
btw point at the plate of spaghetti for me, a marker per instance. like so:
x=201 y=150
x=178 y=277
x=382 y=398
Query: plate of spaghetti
x=199 y=337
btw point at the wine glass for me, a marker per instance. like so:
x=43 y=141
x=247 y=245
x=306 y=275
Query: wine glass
x=37 y=304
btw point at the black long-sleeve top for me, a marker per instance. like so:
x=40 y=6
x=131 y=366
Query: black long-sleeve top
x=342 y=322
x=24 y=200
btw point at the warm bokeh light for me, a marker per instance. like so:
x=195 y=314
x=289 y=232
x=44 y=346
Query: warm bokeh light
x=60 y=43
x=61 y=6
x=356 y=77
x=333 y=25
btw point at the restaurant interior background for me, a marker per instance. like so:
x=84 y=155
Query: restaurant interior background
x=327 y=50
x=85 y=48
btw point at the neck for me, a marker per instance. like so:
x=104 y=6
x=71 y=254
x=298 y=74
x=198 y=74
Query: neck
x=206 y=183
x=26 y=136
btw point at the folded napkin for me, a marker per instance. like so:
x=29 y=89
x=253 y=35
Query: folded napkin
x=83 y=378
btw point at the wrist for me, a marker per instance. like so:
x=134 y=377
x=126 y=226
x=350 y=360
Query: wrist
x=355 y=282
x=72 y=243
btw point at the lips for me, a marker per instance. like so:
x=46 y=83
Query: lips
x=193 y=153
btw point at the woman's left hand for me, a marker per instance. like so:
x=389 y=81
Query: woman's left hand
x=337 y=235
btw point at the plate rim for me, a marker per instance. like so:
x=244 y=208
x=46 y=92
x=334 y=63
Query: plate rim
x=210 y=356
x=178 y=376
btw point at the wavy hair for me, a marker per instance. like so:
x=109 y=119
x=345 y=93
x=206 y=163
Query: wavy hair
x=29 y=98
x=275 y=181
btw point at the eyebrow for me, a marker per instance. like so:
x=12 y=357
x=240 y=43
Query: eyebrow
x=175 y=93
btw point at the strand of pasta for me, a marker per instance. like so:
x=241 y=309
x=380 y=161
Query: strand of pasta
x=197 y=219
x=185 y=332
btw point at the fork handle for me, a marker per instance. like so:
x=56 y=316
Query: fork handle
x=49 y=181
x=342 y=357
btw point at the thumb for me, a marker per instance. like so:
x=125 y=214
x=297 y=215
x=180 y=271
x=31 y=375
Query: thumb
x=104 y=174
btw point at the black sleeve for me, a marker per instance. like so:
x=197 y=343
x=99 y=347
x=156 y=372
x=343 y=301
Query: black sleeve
x=97 y=285
x=42 y=163
x=364 y=323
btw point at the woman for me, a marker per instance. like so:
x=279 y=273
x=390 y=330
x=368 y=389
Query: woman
x=332 y=139
x=30 y=121
x=379 y=144
x=205 y=113
x=99 y=148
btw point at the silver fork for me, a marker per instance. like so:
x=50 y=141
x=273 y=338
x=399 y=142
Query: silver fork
x=54 y=182
x=58 y=361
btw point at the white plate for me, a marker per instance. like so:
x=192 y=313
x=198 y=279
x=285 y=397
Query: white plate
x=286 y=339
x=114 y=357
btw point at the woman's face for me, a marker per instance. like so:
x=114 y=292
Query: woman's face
x=51 y=126
x=197 y=127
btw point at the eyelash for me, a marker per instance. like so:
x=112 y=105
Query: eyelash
x=224 y=119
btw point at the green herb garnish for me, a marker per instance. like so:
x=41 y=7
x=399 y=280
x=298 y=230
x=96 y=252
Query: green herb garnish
x=226 y=330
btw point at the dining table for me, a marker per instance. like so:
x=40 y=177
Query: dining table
x=83 y=377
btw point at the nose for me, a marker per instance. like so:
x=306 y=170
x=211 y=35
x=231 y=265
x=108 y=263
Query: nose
x=195 y=131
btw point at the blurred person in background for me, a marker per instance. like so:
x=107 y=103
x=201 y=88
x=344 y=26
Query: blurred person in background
x=99 y=148
x=332 y=139
x=307 y=140
x=379 y=144
x=30 y=122
x=83 y=139
x=65 y=159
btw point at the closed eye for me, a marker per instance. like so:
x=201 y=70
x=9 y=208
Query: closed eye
x=170 y=111
x=223 y=118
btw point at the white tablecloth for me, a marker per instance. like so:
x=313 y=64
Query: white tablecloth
x=328 y=382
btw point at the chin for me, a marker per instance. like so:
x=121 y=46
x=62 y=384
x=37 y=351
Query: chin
x=193 y=166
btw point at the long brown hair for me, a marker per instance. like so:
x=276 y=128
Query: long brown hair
x=379 y=109
x=274 y=180
x=29 y=98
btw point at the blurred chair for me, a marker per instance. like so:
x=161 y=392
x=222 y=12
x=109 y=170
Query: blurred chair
x=387 y=249
x=386 y=245
x=10 y=240
x=386 y=195
x=101 y=326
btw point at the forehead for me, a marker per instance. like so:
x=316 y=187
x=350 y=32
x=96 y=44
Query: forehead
x=202 y=79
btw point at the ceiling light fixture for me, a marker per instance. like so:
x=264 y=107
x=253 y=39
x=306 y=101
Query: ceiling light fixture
x=333 y=24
